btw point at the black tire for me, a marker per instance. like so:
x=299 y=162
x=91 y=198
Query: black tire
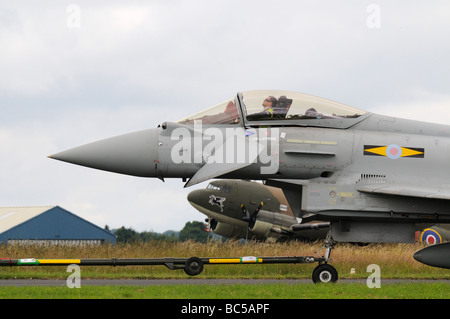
x=193 y=266
x=324 y=274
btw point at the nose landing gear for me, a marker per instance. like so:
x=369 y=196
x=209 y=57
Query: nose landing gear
x=324 y=272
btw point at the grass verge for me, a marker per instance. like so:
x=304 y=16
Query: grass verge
x=395 y=260
x=234 y=291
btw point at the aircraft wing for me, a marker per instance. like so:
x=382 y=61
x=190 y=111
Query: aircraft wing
x=434 y=192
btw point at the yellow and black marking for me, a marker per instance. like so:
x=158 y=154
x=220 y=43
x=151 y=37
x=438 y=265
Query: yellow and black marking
x=242 y=260
x=394 y=151
x=53 y=262
x=171 y=263
x=192 y=266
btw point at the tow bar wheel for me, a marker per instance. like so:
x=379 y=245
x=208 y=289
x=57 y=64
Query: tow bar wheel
x=324 y=273
x=193 y=266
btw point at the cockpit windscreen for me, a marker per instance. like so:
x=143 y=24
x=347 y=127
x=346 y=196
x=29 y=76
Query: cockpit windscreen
x=272 y=105
x=222 y=113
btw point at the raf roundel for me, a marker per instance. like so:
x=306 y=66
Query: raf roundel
x=394 y=151
x=430 y=237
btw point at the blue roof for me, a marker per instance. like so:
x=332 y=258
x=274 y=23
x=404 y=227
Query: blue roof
x=56 y=223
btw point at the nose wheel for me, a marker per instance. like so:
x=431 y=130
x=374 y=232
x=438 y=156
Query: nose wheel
x=324 y=273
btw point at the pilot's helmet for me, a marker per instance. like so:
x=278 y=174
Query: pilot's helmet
x=274 y=100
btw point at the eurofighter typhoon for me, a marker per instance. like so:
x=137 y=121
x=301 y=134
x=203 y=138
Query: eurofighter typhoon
x=374 y=178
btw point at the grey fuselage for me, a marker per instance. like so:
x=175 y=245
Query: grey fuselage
x=372 y=176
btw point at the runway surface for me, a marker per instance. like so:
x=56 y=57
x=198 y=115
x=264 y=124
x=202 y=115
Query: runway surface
x=150 y=282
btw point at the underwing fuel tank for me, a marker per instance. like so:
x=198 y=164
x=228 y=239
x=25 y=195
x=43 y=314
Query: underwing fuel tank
x=435 y=256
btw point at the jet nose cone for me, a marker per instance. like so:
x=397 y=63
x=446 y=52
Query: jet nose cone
x=132 y=154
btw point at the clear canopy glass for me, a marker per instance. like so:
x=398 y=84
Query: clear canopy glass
x=222 y=113
x=274 y=105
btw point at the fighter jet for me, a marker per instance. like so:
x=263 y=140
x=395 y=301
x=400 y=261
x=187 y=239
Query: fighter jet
x=373 y=177
x=245 y=209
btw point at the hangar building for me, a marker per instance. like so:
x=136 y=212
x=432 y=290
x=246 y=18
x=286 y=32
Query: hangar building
x=49 y=225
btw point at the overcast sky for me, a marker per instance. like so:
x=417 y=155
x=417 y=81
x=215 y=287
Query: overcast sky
x=72 y=72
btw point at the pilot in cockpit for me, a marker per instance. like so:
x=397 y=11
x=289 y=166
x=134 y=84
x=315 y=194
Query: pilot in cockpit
x=273 y=109
x=269 y=104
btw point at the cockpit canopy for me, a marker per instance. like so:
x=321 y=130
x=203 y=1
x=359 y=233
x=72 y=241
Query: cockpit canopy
x=272 y=107
x=219 y=187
